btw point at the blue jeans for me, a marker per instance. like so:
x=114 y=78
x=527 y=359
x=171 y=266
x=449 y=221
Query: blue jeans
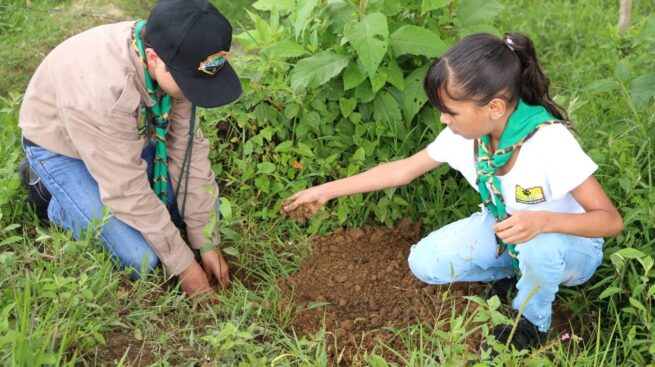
x=76 y=203
x=465 y=251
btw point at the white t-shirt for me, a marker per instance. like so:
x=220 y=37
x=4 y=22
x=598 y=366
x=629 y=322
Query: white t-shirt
x=550 y=164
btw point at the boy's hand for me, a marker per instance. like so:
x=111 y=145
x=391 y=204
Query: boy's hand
x=216 y=267
x=521 y=227
x=304 y=204
x=195 y=283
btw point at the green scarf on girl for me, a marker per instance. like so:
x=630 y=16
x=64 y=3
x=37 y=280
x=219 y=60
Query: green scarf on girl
x=522 y=124
x=159 y=111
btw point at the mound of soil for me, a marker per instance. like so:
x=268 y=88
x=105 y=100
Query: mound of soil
x=359 y=283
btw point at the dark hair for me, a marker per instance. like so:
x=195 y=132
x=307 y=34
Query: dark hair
x=481 y=67
x=144 y=36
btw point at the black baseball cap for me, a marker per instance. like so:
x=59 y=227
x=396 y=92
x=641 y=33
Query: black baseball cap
x=193 y=39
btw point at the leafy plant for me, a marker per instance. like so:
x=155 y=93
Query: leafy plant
x=334 y=88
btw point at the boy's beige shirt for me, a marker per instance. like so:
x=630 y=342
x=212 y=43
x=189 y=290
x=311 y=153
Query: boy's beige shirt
x=83 y=102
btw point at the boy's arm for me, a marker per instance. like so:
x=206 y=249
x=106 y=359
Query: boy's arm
x=601 y=219
x=384 y=176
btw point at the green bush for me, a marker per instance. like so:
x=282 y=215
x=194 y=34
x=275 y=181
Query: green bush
x=332 y=88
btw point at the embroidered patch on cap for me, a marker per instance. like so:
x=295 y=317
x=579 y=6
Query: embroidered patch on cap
x=214 y=63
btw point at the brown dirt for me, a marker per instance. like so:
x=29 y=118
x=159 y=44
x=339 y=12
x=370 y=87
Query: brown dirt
x=300 y=213
x=360 y=283
x=139 y=352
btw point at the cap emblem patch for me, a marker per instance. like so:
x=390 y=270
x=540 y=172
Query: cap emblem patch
x=214 y=63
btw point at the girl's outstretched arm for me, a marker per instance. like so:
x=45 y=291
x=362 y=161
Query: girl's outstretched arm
x=601 y=218
x=384 y=176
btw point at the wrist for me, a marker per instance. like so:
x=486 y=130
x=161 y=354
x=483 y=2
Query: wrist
x=189 y=270
x=208 y=247
x=326 y=192
x=547 y=222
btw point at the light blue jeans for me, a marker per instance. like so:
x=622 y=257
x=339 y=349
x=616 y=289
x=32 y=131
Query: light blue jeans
x=76 y=204
x=465 y=251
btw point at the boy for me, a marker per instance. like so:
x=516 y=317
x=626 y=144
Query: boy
x=89 y=118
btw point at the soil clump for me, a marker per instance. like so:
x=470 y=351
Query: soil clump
x=359 y=282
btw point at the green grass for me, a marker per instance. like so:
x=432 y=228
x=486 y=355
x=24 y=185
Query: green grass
x=62 y=301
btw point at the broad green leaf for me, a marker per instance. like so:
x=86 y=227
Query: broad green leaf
x=429 y=5
x=347 y=106
x=630 y=253
x=385 y=109
x=378 y=80
x=285 y=49
x=304 y=150
x=268 y=5
x=316 y=70
x=493 y=303
x=247 y=39
x=353 y=76
x=603 y=85
x=649 y=29
x=413 y=40
x=651 y=291
x=291 y=110
x=359 y=155
x=233 y=251
x=11 y=227
x=303 y=16
x=609 y=291
x=10 y=239
x=377 y=361
x=395 y=75
x=622 y=70
x=473 y=12
x=342 y=213
x=642 y=89
x=634 y=302
x=51 y=358
x=364 y=93
x=369 y=38
x=266 y=167
x=285 y=147
x=413 y=96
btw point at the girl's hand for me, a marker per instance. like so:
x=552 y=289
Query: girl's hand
x=304 y=204
x=521 y=227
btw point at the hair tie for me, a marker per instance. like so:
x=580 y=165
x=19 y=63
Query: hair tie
x=508 y=41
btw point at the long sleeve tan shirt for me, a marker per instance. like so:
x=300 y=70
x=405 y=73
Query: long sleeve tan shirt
x=84 y=101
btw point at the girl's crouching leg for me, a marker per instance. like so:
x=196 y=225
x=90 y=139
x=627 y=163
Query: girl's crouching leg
x=547 y=261
x=461 y=251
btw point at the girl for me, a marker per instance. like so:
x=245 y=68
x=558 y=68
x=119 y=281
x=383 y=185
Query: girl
x=544 y=213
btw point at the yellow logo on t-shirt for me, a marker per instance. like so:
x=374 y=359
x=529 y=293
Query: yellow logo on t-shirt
x=533 y=195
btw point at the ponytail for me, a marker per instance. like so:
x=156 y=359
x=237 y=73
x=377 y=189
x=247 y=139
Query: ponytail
x=481 y=67
x=533 y=82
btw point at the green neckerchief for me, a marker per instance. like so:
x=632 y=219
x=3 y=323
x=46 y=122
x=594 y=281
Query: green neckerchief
x=160 y=111
x=522 y=124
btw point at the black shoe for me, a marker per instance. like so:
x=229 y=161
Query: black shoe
x=37 y=194
x=501 y=288
x=526 y=336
